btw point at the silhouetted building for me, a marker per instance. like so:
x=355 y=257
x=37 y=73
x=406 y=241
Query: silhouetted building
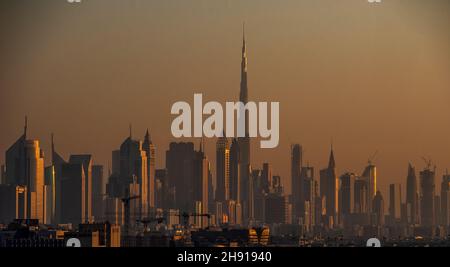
x=161 y=189
x=57 y=163
x=201 y=184
x=235 y=174
x=378 y=209
x=395 y=203
x=296 y=182
x=276 y=208
x=346 y=196
x=329 y=191
x=412 y=203
x=76 y=190
x=427 y=194
x=50 y=195
x=244 y=142
x=222 y=170
x=133 y=170
x=307 y=197
x=370 y=175
x=150 y=150
x=445 y=200
x=179 y=165
x=361 y=191
x=13 y=202
x=98 y=193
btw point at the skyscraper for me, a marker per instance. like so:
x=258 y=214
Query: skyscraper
x=329 y=190
x=427 y=194
x=98 y=192
x=412 y=207
x=244 y=142
x=133 y=169
x=346 y=196
x=50 y=194
x=445 y=200
x=179 y=165
x=149 y=148
x=222 y=170
x=370 y=175
x=25 y=169
x=235 y=174
x=296 y=182
x=378 y=209
x=201 y=184
x=307 y=199
x=395 y=203
x=57 y=163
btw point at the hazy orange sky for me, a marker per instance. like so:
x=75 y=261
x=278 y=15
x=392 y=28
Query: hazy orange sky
x=369 y=76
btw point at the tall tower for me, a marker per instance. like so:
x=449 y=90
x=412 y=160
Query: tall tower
x=296 y=182
x=412 y=207
x=329 y=190
x=244 y=142
x=222 y=169
x=149 y=148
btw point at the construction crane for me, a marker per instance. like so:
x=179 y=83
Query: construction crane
x=147 y=221
x=185 y=216
x=428 y=162
x=126 y=204
x=372 y=158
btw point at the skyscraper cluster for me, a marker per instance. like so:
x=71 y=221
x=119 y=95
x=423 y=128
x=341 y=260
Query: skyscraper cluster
x=75 y=191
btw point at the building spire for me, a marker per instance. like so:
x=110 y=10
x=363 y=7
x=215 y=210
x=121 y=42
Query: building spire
x=331 y=162
x=131 y=131
x=25 y=127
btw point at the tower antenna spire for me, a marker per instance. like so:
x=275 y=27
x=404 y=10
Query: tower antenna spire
x=130 y=131
x=26 y=126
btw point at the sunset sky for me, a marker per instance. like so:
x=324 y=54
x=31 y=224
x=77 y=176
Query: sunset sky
x=367 y=76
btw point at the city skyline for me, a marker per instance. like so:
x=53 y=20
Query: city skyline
x=400 y=137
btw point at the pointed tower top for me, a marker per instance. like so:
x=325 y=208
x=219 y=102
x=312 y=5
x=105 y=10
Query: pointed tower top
x=26 y=126
x=130 y=131
x=331 y=162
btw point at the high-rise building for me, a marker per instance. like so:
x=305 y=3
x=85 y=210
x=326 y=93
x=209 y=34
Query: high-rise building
x=361 y=189
x=427 y=194
x=13 y=203
x=57 y=163
x=133 y=169
x=201 y=184
x=235 y=174
x=244 y=142
x=98 y=193
x=329 y=191
x=25 y=168
x=346 y=196
x=307 y=200
x=150 y=150
x=275 y=208
x=179 y=165
x=266 y=177
x=222 y=170
x=412 y=206
x=296 y=182
x=76 y=190
x=50 y=194
x=2 y=175
x=395 y=203
x=445 y=200
x=378 y=209
x=161 y=189
x=370 y=175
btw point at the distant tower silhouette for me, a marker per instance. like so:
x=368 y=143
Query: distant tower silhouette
x=244 y=142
